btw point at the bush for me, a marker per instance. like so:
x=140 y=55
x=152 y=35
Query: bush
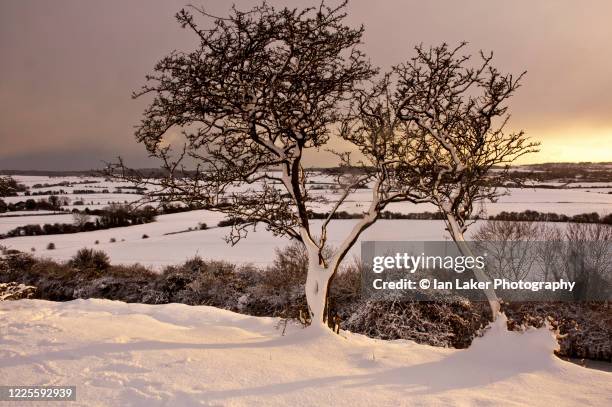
x=453 y=323
x=14 y=291
x=202 y=226
x=230 y=222
x=51 y=246
x=90 y=259
x=112 y=240
x=145 y=236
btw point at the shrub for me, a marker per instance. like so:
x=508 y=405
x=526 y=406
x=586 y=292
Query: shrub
x=51 y=246
x=90 y=259
x=202 y=226
x=452 y=323
x=145 y=236
x=230 y=222
x=14 y=291
x=112 y=240
x=97 y=242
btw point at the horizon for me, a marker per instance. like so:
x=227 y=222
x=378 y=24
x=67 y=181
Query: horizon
x=14 y=171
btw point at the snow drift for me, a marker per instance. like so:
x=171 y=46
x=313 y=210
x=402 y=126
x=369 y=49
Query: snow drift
x=135 y=354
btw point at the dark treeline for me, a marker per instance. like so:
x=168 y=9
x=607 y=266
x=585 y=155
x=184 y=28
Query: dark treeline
x=524 y=216
x=535 y=216
x=383 y=215
x=10 y=187
x=115 y=215
x=64 y=184
x=52 y=203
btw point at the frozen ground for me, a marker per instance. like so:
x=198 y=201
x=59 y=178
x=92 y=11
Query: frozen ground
x=161 y=249
x=119 y=354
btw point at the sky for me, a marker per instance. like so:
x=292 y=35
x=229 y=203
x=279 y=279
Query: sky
x=68 y=68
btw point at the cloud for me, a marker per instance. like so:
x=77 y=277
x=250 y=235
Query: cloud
x=69 y=66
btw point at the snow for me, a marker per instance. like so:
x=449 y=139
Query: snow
x=160 y=249
x=562 y=201
x=258 y=248
x=177 y=355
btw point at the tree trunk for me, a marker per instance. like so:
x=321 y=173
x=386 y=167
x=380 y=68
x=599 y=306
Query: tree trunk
x=317 y=284
x=457 y=235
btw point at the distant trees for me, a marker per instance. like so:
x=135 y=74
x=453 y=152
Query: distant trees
x=115 y=215
x=10 y=187
x=577 y=252
x=535 y=216
x=53 y=204
x=80 y=219
x=506 y=245
x=586 y=259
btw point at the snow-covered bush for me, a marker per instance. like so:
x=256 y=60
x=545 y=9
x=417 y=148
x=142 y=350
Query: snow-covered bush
x=90 y=259
x=585 y=328
x=450 y=323
x=15 y=291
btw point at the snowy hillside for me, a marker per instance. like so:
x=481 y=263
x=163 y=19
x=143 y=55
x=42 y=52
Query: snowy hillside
x=171 y=355
x=163 y=247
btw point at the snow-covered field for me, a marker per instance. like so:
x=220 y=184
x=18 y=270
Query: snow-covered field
x=119 y=354
x=578 y=198
x=162 y=249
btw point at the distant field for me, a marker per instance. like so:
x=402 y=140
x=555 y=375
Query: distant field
x=164 y=246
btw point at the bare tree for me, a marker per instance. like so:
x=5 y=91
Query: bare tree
x=457 y=152
x=587 y=258
x=510 y=247
x=80 y=219
x=549 y=251
x=263 y=87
